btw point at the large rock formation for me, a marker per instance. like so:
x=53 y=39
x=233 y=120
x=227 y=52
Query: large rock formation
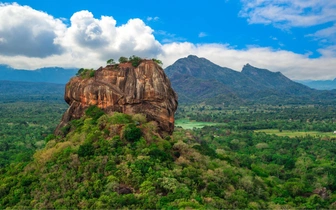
x=124 y=88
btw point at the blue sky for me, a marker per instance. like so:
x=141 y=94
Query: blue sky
x=296 y=37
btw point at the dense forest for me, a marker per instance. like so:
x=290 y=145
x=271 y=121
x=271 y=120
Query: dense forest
x=120 y=161
x=29 y=112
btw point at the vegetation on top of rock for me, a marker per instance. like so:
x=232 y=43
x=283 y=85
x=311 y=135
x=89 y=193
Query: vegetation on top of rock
x=157 y=61
x=123 y=59
x=110 y=61
x=85 y=73
x=135 y=60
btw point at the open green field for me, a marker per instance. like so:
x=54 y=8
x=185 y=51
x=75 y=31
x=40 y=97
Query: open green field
x=296 y=133
x=187 y=124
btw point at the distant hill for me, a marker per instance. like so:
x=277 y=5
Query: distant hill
x=199 y=80
x=30 y=91
x=51 y=75
x=319 y=84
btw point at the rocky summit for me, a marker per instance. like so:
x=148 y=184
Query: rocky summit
x=123 y=88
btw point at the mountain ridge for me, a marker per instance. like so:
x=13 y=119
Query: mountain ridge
x=55 y=75
x=251 y=85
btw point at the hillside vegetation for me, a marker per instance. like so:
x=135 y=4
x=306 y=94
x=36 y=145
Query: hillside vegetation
x=119 y=161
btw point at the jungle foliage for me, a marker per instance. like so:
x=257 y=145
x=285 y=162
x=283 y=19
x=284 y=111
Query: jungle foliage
x=120 y=161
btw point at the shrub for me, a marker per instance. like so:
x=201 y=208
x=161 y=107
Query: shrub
x=123 y=59
x=120 y=118
x=139 y=118
x=80 y=71
x=94 y=112
x=135 y=60
x=132 y=133
x=85 y=73
x=77 y=123
x=65 y=130
x=85 y=150
x=92 y=74
x=161 y=155
x=49 y=137
x=157 y=61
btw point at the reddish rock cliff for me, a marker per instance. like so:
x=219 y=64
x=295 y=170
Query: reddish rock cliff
x=124 y=88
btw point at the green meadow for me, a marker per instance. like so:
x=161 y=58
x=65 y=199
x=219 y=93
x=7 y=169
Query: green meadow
x=187 y=124
x=291 y=133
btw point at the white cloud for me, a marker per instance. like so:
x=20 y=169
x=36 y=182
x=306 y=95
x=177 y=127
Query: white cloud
x=202 y=34
x=31 y=39
x=329 y=52
x=88 y=42
x=104 y=40
x=289 y=13
x=153 y=18
x=25 y=31
x=327 y=33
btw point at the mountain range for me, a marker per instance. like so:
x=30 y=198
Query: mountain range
x=198 y=80
x=50 y=75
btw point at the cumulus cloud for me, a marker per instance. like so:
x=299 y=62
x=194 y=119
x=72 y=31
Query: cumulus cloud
x=87 y=32
x=32 y=39
x=104 y=40
x=25 y=31
x=289 y=13
x=36 y=38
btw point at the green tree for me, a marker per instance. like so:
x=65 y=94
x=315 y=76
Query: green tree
x=135 y=60
x=132 y=133
x=123 y=59
x=157 y=61
x=80 y=71
x=86 y=149
x=110 y=61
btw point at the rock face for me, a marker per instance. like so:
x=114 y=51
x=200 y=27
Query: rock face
x=123 y=88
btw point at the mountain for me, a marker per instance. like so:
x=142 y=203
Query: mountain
x=319 y=84
x=50 y=75
x=199 y=80
x=125 y=88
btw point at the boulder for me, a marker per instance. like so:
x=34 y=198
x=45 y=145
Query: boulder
x=123 y=88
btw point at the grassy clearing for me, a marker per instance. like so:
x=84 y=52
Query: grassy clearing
x=187 y=124
x=296 y=133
